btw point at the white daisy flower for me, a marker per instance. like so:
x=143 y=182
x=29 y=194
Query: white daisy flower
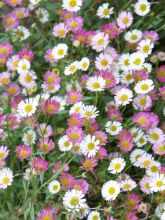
x=144 y=86
x=95 y=83
x=84 y=211
x=71 y=69
x=133 y=36
x=154 y=135
x=123 y=97
x=127 y=185
x=153 y=168
x=42 y=15
x=145 y=160
x=147 y=67
x=84 y=64
x=90 y=146
x=158 y=183
x=27 y=79
x=45 y=130
x=124 y=62
x=142 y=7
x=127 y=77
x=110 y=190
x=72 y=5
x=113 y=127
x=135 y=155
x=137 y=133
x=136 y=61
x=142 y=141
x=94 y=215
x=60 y=51
x=104 y=11
x=4 y=152
x=160 y=210
x=22 y=33
x=103 y=61
x=89 y=111
x=23 y=66
x=99 y=41
x=73 y=200
x=61 y=100
x=6 y=177
x=145 y=47
x=76 y=108
x=54 y=187
x=29 y=137
x=116 y=165
x=27 y=107
x=64 y=144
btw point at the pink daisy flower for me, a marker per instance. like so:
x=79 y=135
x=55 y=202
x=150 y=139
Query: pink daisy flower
x=66 y=180
x=75 y=23
x=146 y=120
x=13 y=89
x=124 y=19
x=125 y=141
x=49 y=56
x=6 y=49
x=145 y=184
x=89 y=163
x=143 y=102
x=81 y=184
x=12 y=121
x=39 y=164
x=46 y=145
x=51 y=107
x=4 y=152
x=151 y=35
x=108 y=77
x=83 y=80
x=133 y=201
x=23 y=152
x=12 y=63
x=99 y=41
x=159 y=148
x=80 y=36
x=21 y=13
x=162 y=92
x=101 y=154
x=58 y=165
x=114 y=113
x=160 y=74
x=75 y=120
x=101 y=136
x=112 y=30
x=10 y=21
x=60 y=30
x=51 y=78
x=13 y=3
x=65 y=15
x=89 y=35
x=26 y=54
x=45 y=214
x=73 y=96
x=4 y=78
x=140 y=75
x=75 y=134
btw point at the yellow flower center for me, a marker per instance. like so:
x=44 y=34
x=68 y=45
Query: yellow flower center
x=133 y=37
x=28 y=108
x=74 y=201
x=137 y=61
x=60 y=52
x=61 y=32
x=159 y=183
x=28 y=78
x=2 y=155
x=90 y=146
x=104 y=62
x=96 y=85
x=111 y=190
x=125 y=20
x=117 y=166
x=154 y=136
x=6 y=180
x=146 y=49
x=106 y=11
x=142 y=121
x=72 y=3
x=100 y=41
x=74 y=136
x=143 y=7
x=123 y=98
x=72 y=68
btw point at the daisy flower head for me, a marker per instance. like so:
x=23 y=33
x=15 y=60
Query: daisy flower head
x=100 y=41
x=155 y=135
x=23 y=66
x=142 y=102
x=89 y=111
x=65 y=144
x=45 y=214
x=116 y=165
x=124 y=62
x=110 y=190
x=103 y=61
x=27 y=107
x=142 y=7
x=153 y=168
x=145 y=47
x=127 y=185
x=13 y=3
x=90 y=145
x=144 y=86
x=124 y=19
x=84 y=64
x=94 y=215
x=73 y=200
x=54 y=187
x=159 y=148
x=42 y=15
x=60 y=30
x=89 y=163
x=60 y=51
x=45 y=130
x=136 y=61
x=29 y=137
x=10 y=21
x=123 y=97
x=104 y=11
x=4 y=152
x=71 y=68
x=160 y=74
x=76 y=108
x=113 y=127
x=72 y=5
x=23 y=152
x=39 y=164
x=127 y=77
x=6 y=177
x=157 y=183
x=95 y=84
x=75 y=134
x=21 y=33
x=6 y=49
x=145 y=184
x=135 y=155
x=133 y=36
x=74 y=24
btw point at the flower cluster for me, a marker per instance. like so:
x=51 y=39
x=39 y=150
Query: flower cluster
x=82 y=107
